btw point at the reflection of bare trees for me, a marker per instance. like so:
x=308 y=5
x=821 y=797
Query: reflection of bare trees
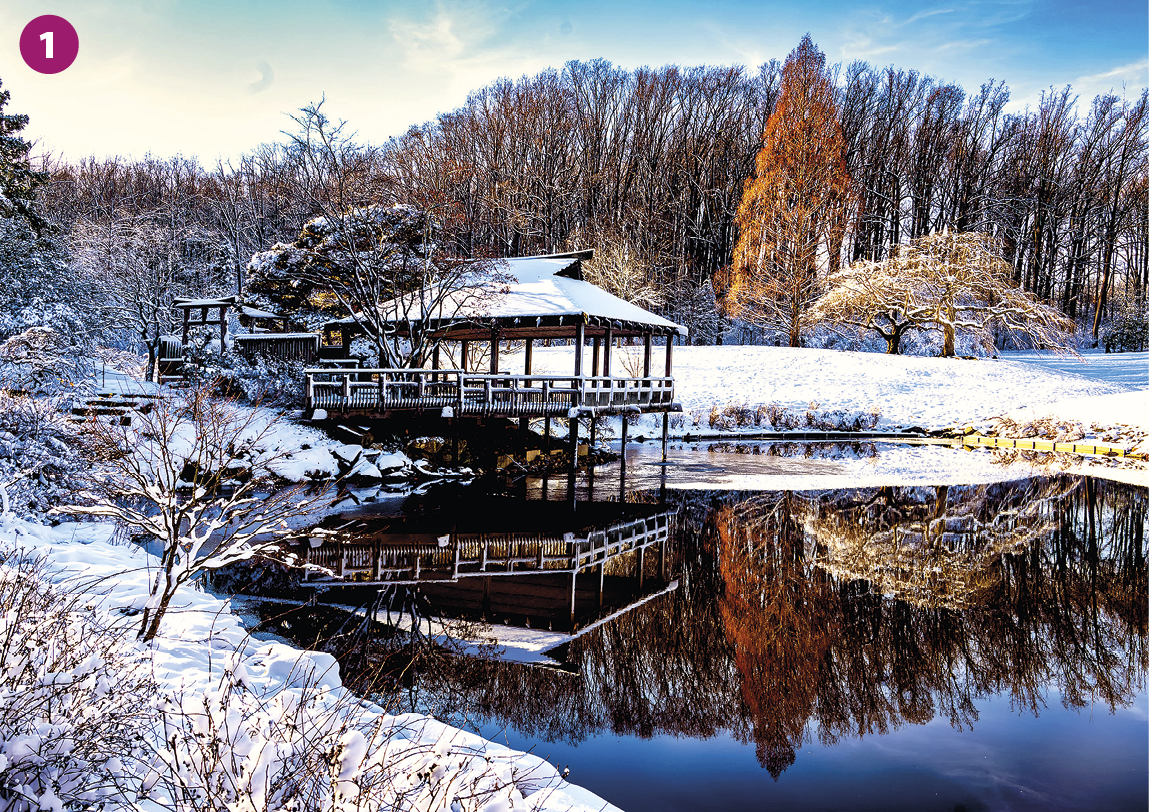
x=916 y=602
x=849 y=613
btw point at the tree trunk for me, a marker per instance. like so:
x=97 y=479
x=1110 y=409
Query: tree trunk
x=893 y=341
x=948 y=345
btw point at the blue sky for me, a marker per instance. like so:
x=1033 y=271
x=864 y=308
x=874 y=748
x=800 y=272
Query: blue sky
x=215 y=78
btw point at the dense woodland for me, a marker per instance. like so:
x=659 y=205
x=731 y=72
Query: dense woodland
x=648 y=167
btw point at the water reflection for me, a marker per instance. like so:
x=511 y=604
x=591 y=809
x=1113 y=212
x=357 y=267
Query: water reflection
x=841 y=614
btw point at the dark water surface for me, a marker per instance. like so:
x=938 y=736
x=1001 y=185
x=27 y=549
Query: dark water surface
x=973 y=647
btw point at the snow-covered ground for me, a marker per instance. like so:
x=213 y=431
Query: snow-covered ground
x=203 y=645
x=905 y=391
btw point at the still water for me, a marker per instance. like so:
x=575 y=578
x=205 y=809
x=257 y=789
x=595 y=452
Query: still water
x=976 y=647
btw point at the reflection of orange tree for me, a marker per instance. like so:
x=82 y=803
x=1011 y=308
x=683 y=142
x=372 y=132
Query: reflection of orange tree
x=762 y=639
x=776 y=615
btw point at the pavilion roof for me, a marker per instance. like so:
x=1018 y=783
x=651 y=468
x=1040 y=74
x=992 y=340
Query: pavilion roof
x=539 y=296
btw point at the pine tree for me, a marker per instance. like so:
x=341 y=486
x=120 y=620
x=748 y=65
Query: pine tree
x=18 y=181
x=793 y=209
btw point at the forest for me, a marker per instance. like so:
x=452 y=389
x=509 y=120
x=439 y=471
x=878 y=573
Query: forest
x=648 y=167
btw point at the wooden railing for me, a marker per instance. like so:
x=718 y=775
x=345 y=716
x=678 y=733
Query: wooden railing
x=456 y=556
x=469 y=393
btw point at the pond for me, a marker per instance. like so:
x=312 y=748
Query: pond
x=912 y=646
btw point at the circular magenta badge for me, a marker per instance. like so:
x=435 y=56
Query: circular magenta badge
x=49 y=44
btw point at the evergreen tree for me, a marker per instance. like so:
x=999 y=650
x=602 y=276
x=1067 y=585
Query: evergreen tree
x=18 y=181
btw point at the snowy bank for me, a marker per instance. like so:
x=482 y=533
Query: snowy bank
x=904 y=391
x=203 y=656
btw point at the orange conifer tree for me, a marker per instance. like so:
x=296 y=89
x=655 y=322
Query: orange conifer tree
x=793 y=211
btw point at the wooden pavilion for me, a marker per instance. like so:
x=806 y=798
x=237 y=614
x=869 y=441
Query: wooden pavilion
x=535 y=298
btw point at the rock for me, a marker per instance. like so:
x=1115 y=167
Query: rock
x=347 y=453
x=363 y=473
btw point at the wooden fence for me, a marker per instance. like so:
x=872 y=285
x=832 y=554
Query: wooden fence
x=413 y=558
x=458 y=393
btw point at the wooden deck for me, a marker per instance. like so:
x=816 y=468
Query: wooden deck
x=456 y=393
x=414 y=558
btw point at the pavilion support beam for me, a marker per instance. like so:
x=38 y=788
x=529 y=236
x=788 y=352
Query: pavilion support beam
x=607 y=341
x=573 y=424
x=187 y=318
x=494 y=351
x=646 y=342
x=595 y=344
x=223 y=328
x=669 y=355
x=665 y=432
x=580 y=340
x=524 y=423
x=463 y=347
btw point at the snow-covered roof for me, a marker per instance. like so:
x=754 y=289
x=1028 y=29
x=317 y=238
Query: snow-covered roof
x=547 y=291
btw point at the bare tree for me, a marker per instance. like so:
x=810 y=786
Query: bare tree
x=188 y=473
x=946 y=282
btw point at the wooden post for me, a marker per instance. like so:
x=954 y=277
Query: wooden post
x=608 y=340
x=646 y=342
x=669 y=355
x=223 y=328
x=601 y=578
x=573 y=423
x=595 y=343
x=187 y=315
x=435 y=357
x=463 y=347
x=494 y=351
x=524 y=421
x=574 y=589
x=622 y=463
x=547 y=434
x=580 y=339
x=665 y=432
x=641 y=561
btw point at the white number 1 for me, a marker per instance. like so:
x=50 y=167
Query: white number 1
x=47 y=37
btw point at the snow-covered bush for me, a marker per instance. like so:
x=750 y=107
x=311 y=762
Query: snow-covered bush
x=41 y=454
x=260 y=380
x=775 y=416
x=237 y=748
x=72 y=703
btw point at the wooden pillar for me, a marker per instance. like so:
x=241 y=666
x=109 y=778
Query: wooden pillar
x=187 y=316
x=601 y=580
x=528 y=350
x=646 y=342
x=547 y=435
x=574 y=590
x=595 y=343
x=345 y=340
x=580 y=339
x=223 y=328
x=573 y=423
x=463 y=347
x=641 y=561
x=607 y=341
x=665 y=432
x=622 y=463
x=669 y=355
x=494 y=351
x=435 y=357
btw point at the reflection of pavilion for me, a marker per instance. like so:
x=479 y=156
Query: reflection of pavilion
x=509 y=560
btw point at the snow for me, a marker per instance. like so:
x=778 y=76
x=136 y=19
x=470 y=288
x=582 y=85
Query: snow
x=930 y=393
x=201 y=640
